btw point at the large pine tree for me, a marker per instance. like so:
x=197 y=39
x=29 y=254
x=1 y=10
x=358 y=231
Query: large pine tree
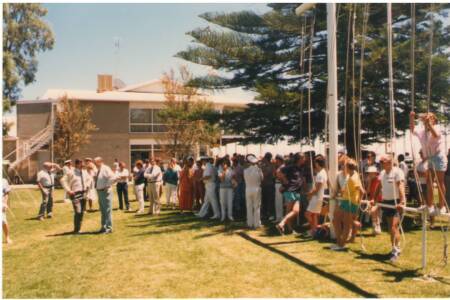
x=270 y=54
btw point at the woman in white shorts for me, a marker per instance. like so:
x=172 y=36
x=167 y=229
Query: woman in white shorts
x=315 y=195
x=433 y=149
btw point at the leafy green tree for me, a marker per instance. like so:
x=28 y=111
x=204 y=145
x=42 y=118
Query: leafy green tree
x=73 y=128
x=270 y=54
x=25 y=34
x=184 y=116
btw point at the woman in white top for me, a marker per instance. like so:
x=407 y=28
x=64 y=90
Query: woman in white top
x=92 y=171
x=432 y=143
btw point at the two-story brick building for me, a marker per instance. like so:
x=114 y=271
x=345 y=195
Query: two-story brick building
x=126 y=118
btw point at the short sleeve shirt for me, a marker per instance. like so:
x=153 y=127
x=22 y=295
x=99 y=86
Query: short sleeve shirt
x=389 y=190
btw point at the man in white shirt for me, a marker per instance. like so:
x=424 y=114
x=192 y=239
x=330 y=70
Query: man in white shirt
x=153 y=174
x=103 y=184
x=123 y=175
x=392 y=190
x=46 y=184
x=402 y=165
x=77 y=183
x=209 y=178
x=253 y=177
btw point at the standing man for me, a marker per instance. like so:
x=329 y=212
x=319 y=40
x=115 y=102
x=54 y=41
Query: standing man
x=268 y=188
x=122 y=186
x=153 y=174
x=66 y=169
x=146 y=166
x=209 y=178
x=392 y=190
x=103 y=184
x=46 y=184
x=253 y=177
x=77 y=183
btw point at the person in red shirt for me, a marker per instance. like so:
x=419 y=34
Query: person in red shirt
x=373 y=183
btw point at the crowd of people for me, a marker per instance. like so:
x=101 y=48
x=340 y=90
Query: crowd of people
x=279 y=190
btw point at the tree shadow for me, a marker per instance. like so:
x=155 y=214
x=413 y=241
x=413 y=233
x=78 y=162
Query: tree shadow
x=339 y=280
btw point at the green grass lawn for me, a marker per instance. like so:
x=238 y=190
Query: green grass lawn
x=177 y=255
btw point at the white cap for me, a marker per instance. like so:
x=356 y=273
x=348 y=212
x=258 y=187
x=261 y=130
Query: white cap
x=372 y=169
x=252 y=159
x=68 y=161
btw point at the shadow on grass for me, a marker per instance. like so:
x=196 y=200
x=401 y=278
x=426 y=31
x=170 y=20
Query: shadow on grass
x=378 y=257
x=71 y=233
x=174 y=222
x=339 y=280
x=398 y=276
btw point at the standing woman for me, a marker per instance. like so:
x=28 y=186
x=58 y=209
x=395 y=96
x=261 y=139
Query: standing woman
x=432 y=143
x=92 y=193
x=226 y=190
x=170 y=183
x=186 y=187
x=139 y=185
x=199 y=186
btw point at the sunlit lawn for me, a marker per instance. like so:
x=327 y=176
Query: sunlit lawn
x=177 y=255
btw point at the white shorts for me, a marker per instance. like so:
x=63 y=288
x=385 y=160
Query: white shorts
x=315 y=205
x=4 y=220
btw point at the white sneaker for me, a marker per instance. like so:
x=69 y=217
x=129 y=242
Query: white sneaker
x=443 y=210
x=336 y=248
x=431 y=211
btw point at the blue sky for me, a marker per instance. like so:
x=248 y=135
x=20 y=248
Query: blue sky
x=150 y=35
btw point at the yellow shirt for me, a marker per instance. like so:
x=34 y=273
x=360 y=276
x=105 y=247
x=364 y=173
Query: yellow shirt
x=353 y=189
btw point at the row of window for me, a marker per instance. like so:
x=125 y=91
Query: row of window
x=146 y=120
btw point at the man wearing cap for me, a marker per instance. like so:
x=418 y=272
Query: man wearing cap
x=209 y=179
x=46 y=184
x=392 y=190
x=253 y=177
x=77 y=183
x=66 y=169
x=103 y=184
x=153 y=174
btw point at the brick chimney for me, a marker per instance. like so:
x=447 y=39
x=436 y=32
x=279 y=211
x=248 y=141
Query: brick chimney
x=104 y=83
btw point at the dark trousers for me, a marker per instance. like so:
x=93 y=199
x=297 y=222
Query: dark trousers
x=239 y=200
x=267 y=201
x=47 y=204
x=122 y=193
x=145 y=191
x=79 y=205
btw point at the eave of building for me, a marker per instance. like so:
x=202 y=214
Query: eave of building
x=53 y=95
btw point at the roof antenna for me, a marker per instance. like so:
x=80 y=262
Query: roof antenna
x=116 y=58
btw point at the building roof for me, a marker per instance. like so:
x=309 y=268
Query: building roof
x=150 y=91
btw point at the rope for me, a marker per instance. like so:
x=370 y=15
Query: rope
x=346 y=73
x=430 y=59
x=309 y=89
x=302 y=71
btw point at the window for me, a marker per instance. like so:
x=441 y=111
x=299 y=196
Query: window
x=145 y=120
x=140 y=152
